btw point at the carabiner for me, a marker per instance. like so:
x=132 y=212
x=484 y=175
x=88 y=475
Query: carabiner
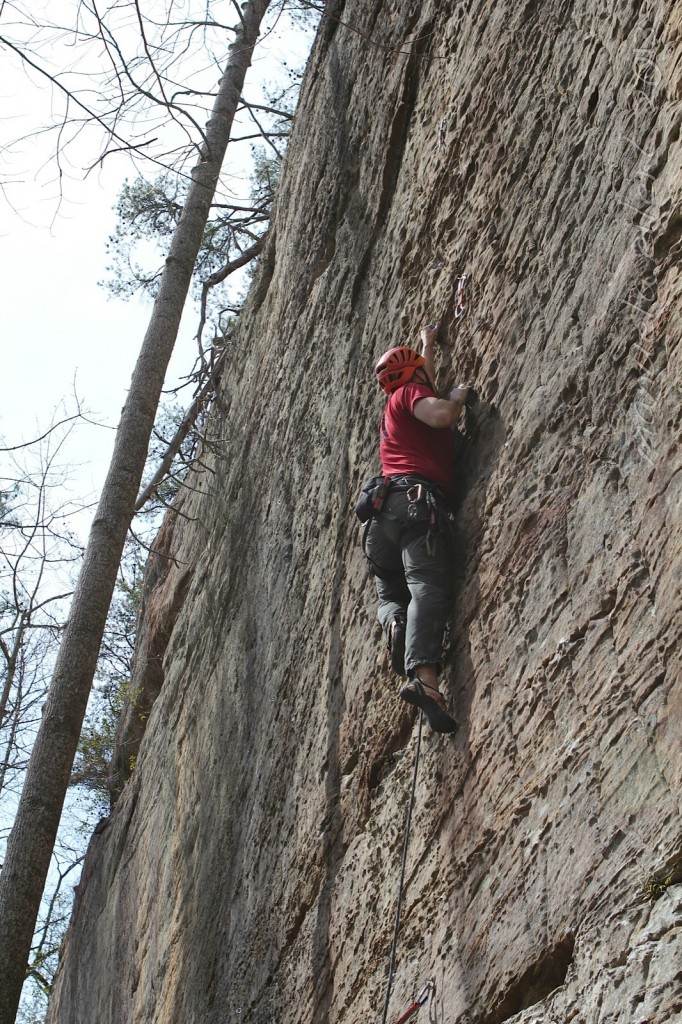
x=460 y=297
x=429 y=987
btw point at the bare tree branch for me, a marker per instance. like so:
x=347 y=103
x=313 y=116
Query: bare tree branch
x=36 y=440
x=74 y=99
x=110 y=42
x=263 y=133
x=238 y=9
x=268 y=110
x=188 y=421
x=222 y=274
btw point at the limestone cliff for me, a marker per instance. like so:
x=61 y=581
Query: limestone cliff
x=250 y=868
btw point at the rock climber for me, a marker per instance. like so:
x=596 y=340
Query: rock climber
x=408 y=537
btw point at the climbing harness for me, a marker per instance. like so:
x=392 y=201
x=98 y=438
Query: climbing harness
x=396 y=928
x=428 y=988
x=423 y=513
x=460 y=298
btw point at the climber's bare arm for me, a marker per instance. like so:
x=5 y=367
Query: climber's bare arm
x=441 y=412
x=428 y=338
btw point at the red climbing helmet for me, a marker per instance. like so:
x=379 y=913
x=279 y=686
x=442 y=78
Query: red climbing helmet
x=396 y=367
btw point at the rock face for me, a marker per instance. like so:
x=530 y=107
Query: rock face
x=250 y=870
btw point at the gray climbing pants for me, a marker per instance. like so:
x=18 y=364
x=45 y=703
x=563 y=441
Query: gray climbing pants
x=413 y=584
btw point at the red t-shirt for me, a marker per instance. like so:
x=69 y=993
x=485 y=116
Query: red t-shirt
x=408 y=446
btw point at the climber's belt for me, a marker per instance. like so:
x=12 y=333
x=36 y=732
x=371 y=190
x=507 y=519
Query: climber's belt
x=422 y=496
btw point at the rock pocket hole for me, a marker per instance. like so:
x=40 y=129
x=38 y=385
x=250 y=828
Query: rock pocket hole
x=536 y=983
x=592 y=104
x=391 y=754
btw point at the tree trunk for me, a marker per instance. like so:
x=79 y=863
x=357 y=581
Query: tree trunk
x=31 y=841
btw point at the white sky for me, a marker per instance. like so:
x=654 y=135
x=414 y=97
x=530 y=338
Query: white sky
x=57 y=324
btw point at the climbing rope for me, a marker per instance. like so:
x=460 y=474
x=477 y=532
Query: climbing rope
x=408 y=821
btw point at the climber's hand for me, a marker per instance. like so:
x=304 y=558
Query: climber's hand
x=429 y=334
x=459 y=395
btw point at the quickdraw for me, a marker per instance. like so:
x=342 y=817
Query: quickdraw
x=460 y=298
x=415 y=495
x=428 y=988
x=432 y=532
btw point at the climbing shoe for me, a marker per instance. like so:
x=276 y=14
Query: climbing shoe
x=419 y=694
x=396 y=646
